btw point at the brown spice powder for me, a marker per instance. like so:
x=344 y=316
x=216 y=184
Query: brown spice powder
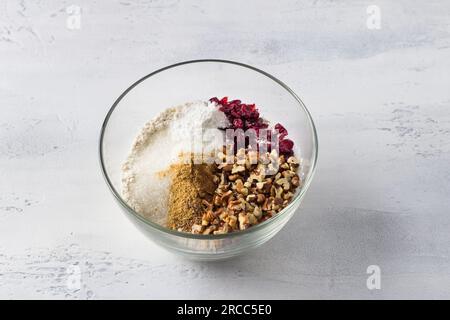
x=191 y=183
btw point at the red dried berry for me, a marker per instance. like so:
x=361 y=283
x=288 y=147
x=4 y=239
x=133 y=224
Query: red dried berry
x=238 y=123
x=214 y=99
x=246 y=116
x=236 y=111
x=252 y=106
x=286 y=146
x=250 y=124
x=225 y=109
x=261 y=124
x=223 y=101
x=254 y=115
x=281 y=130
x=249 y=112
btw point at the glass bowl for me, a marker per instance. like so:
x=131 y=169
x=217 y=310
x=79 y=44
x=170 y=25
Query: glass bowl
x=201 y=80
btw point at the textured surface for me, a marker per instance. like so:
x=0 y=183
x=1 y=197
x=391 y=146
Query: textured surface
x=380 y=100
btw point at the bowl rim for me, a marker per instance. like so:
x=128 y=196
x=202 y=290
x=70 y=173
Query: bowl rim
x=181 y=234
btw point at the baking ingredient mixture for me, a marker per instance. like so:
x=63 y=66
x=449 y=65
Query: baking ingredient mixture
x=159 y=145
x=164 y=181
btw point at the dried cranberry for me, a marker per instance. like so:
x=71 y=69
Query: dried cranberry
x=225 y=109
x=214 y=99
x=254 y=115
x=261 y=124
x=248 y=112
x=238 y=123
x=286 y=146
x=236 y=111
x=281 y=130
x=223 y=101
x=246 y=116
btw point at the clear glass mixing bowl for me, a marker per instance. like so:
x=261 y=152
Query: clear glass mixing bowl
x=201 y=80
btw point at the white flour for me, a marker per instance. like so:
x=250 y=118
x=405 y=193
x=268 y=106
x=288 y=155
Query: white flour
x=157 y=146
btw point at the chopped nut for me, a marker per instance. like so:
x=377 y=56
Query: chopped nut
x=288 y=174
x=257 y=212
x=221 y=155
x=226 y=166
x=273 y=191
x=223 y=215
x=207 y=231
x=208 y=206
x=245 y=196
x=266 y=205
x=293 y=161
x=222 y=179
x=236 y=205
x=226 y=196
x=260 y=185
x=233 y=177
x=268 y=185
x=237 y=168
x=279 y=192
x=252 y=157
x=196 y=228
x=231 y=220
x=249 y=207
x=243 y=221
x=238 y=185
x=217 y=200
x=271 y=169
x=295 y=180
x=288 y=195
x=241 y=161
x=283 y=182
x=256 y=177
x=260 y=198
x=225 y=228
x=278 y=201
x=274 y=154
x=252 y=219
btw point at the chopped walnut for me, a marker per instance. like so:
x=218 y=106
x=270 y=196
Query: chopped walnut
x=245 y=195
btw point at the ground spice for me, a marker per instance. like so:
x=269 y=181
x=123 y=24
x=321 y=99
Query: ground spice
x=191 y=184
